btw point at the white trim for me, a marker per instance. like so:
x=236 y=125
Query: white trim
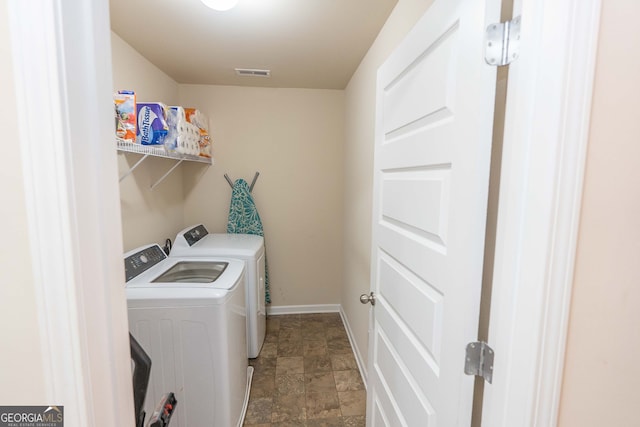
x=302 y=309
x=247 y=393
x=362 y=367
x=37 y=96
x=62 y=69
x=578 y=93
x=546 y=132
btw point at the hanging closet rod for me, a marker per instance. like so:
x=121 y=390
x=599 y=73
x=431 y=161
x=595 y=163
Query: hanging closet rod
x=255 y=178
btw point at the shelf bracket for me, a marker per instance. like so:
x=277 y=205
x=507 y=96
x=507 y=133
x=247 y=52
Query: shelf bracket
x=156 y=151
x=166 y=174
x=126 y=174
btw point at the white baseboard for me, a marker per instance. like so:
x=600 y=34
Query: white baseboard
x=301 y=309
x=356 y=351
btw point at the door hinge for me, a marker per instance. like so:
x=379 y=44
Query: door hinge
x=502 y=42
x=479 y=360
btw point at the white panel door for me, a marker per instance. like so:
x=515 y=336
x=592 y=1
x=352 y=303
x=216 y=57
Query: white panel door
x=433 y=148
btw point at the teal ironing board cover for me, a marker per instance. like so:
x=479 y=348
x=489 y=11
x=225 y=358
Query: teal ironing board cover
x=244 y=219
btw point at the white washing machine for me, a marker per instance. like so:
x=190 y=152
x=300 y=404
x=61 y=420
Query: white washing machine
x=195 y=241
x=189 y=315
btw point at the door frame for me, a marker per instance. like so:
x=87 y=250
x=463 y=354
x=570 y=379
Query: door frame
x=538 y=215
x=61 y=54
x=545 y=143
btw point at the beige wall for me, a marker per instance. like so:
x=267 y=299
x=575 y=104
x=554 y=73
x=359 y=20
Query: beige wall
x=360 y=103
x=147 y=216
x=601 y=385
x=294 y=138
x=21 y=363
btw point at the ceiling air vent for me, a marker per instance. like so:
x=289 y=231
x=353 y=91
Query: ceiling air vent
x=250 y=72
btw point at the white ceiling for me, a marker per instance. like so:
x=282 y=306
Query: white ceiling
x=305 y=43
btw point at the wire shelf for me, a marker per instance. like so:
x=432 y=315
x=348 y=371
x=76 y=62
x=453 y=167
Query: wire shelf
x=158 y=151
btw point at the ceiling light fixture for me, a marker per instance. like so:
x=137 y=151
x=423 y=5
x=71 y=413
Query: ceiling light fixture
x=220 y=5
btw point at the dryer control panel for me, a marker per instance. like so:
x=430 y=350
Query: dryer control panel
x=195 y=234
x=142 y=260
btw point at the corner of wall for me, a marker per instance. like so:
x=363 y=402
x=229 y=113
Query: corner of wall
x=360 y=105
x=147 y=216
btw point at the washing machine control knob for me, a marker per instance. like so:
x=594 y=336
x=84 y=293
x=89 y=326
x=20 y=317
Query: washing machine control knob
x=144 y=259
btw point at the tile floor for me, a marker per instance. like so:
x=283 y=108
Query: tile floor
x=306 y=375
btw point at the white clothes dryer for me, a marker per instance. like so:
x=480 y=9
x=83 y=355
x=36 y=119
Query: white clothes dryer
x=195 y=241
x=189 y=315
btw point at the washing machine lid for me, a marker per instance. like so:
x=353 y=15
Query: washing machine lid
x=182 y=273
x=142 y=291
x=196 y=241
x=202 y=271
